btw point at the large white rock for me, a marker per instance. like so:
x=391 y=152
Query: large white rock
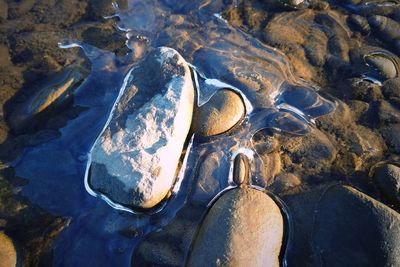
x=134 y=161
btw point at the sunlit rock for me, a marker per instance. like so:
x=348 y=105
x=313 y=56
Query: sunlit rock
x=135 y=159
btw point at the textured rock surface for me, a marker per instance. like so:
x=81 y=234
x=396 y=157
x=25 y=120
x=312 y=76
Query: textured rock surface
x=243 y=228
x=135 y=160
x=8 y=255
x=387 y=178
x=224 y=110
x=340 y=226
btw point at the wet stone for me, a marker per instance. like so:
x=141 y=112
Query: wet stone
x=240 y=169
x=222 y=112
x=135 y=159
x=48 y=96
x=8 y=255
x=365 y=90
x=329 y=225
x=391 y=88
x=359 y=23
x=240 y=219
x=387 y=29
x=384 y=65
x=387 y=177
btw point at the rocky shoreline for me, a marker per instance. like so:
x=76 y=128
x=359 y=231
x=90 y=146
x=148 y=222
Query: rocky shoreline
x=330 y=191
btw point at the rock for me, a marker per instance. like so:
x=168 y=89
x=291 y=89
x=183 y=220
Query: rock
x=3 y=10
x=17 y=9
x=169 y=245
x=391 y=88
x=365 y=143
x=243 y=228
x=365 y=90
x=387 y=29
x=374 y=62
x=222 y=112
x=310 y=153
x=98 y=9
x=135 y=159
x=284 y=182
x=240 y=169
x=8 y=255
x=385 y=66
x=329 y=226
x=387 y=113
x=391 y=134
x=360 y=23
x=46 y=97
x=4 y=54
x=387 y=177
x=213 y=168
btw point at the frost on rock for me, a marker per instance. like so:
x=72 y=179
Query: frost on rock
x=134 y=161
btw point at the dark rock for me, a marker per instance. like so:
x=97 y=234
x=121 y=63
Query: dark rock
x=391 y=134
x=383 y=64
x=243 y=228
x=365 y=90
x=3 y=10
x=18 y=8
x=387 y=112
x=212 y=169
x=387 y=177
x=329 y=226
x=391 y=88
x=387 y=29
x=360 y=23
x=374 y=62
x=47 y=96
x=285 y=182
x=4 y=55
x=98 y=9
x=169 y=245
x=221 y=113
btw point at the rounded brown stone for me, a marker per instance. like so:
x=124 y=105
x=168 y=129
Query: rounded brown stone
x=223 y=111
x=243 y=228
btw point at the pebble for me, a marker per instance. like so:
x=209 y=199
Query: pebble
x=221 y=113
x=387 y=177
x=244 y=227
x=240 y=169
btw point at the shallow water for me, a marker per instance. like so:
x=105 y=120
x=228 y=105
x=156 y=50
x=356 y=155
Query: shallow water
x=221 y=57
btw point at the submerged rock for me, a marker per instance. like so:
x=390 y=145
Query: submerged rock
x=222 y=112
x=341 y=226
x=243 y=228
x=47 y=97
x=8 y=255
x=135 y=159
x=383 y=64
x=387 y=29
x=387 y=178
